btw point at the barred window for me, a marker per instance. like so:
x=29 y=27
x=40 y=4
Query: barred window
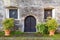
x=13 y=13
x=47 y=13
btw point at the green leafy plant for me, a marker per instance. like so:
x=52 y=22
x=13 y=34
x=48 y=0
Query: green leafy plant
x=46 y=30
x=8 y=23
x=40 y=27
x=51 y=24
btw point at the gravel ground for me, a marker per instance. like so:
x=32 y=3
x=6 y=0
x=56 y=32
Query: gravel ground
x=28 y=38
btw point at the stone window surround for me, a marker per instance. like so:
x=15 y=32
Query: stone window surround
x=7 y=12
x=53 y=11
x=24 y=19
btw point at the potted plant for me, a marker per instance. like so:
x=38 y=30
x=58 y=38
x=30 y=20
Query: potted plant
x=7 y=25
x=40 y=28
x=52 y=25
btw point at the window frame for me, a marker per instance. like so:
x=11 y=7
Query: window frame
x=7 y=13
x=46 y=13
x=53 y=12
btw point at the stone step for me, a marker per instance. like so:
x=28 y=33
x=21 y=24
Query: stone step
x=29 y=35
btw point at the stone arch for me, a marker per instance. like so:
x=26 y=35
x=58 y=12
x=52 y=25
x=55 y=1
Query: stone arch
x=29 y=24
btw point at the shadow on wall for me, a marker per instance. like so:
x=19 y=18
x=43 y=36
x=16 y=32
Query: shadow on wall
x=17 y=25
x=58 y=29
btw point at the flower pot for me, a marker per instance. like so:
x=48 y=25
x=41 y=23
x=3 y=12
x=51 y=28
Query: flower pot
x=7 y=32
x=51 y=32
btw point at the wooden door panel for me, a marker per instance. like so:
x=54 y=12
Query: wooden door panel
x=27 y=25
x=30 y=23
x=33 y=24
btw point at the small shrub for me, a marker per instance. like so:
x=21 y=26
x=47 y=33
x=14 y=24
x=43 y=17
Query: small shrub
x=16 y=33
x=51 y=24
x=8 y=23
x=46 y=30
x=42 y=28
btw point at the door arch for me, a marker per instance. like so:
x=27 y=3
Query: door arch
x=29 y=24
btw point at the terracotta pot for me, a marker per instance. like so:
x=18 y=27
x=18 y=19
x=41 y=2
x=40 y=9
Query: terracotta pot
x=7 y=32
x=51 y=32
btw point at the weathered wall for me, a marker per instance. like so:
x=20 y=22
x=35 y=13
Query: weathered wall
x=31 y=7
x=2 y=13
x=36 y=7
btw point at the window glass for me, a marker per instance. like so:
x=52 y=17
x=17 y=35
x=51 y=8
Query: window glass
x=13 y=13
x=47 y=13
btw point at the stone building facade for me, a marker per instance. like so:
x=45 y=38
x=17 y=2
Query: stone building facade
x=23 y=10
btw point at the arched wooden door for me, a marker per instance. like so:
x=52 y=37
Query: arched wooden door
x=30 y=23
